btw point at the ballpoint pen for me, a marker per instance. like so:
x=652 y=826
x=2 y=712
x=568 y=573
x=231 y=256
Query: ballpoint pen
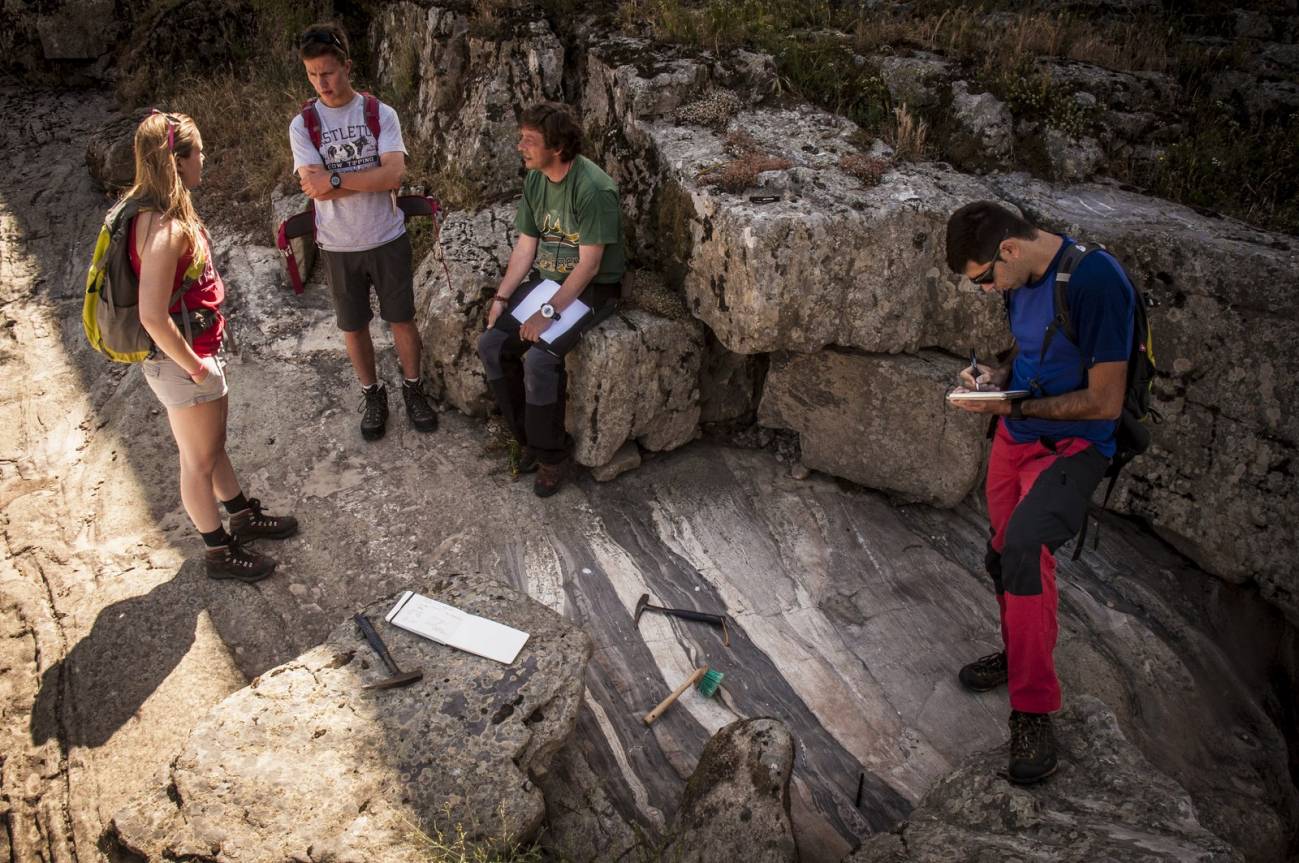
x=974 y=368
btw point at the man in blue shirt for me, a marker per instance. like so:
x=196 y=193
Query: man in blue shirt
x=1051 y=447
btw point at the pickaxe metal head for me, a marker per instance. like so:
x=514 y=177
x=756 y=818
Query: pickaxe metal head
x=640 y=608
x=404 y=678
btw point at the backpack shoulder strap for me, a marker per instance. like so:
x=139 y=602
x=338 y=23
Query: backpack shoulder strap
x=1069 y=260
x=311 y=119
x=372 y=115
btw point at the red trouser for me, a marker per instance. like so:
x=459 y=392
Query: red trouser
x=1037 y=499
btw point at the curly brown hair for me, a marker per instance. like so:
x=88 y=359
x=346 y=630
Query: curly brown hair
x=558 y=127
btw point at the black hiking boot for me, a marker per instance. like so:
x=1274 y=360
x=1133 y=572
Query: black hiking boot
x=235 y=561
x=984 y=673
x=252 y=523
x=421 y=413
x=374 y=412
x=527 y=462
x=1032 y=747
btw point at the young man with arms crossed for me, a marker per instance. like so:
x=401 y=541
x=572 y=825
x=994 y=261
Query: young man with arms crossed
x=352 y=180
x=1050 y=450
x=570 y=231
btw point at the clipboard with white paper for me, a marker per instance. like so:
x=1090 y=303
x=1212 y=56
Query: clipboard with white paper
x=541 y=294
x=453 y=627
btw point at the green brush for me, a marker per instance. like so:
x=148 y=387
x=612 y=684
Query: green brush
x=708 y=685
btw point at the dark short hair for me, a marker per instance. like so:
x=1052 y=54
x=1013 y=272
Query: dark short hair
x=558 y=128
x=976 y=230
x=321 y=39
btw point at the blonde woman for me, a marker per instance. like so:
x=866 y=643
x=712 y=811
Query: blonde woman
x=170 y=253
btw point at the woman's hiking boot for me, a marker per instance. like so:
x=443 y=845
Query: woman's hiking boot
x=374 y=412
x=1032 y=747
x=253 y=523
x=235 y=561
x=421 y=413
x=984 y=673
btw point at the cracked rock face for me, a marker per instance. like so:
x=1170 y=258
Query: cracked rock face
x=634 y=376
x=303 y=764
x=1218 y=482
x=983 y=130
x=859 y=417
x=1106 y=802
x=736 y=804
x=469 y=76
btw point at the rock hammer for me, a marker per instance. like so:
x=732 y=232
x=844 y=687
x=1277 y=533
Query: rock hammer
x=396 y=677
x=685 y=613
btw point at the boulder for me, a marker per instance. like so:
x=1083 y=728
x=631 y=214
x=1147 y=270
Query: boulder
x=468 y=75
x=829 y=262
x=626 y=458
x=78 y=30
x=881 y=421
x=981 y=133
x=110 y=153
x=634 y=376
x=917 y=80
x=736 y=805
x=286 y=204
x=304 y=764
x=1118 y=91
x=1106 y=802
x=1218 y=482
x=1072 y=159
x=453 y=286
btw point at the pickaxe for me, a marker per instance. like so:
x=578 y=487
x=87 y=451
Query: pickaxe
x=396 y=677
x=688 y=614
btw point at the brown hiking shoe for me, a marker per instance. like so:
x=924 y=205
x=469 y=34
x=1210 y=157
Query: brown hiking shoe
x=984 y=673
x=252 y=523
x=235 y=561
x=1032 y=747
x=550 y=477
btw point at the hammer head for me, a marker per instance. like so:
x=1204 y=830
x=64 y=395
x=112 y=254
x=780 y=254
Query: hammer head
x=640 y=607
x=405 y=678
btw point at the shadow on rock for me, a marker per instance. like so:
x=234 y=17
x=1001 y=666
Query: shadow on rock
x=133 y=647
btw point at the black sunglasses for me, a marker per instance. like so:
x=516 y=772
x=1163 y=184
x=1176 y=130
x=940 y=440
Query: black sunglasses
x=321 y=37
x=986 y=277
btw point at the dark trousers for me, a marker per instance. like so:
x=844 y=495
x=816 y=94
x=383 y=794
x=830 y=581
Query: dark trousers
x=1038 y=495
x=529 y=386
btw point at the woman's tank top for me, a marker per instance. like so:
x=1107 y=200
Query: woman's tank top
x=207 y=292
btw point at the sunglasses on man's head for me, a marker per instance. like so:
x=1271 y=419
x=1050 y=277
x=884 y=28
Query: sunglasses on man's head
x=321 y=37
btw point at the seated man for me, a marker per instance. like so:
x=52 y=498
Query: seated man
x=570 y=231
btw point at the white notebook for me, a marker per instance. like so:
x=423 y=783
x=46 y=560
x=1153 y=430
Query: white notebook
x=985 y=395
x=448 y=625
x=531 y=304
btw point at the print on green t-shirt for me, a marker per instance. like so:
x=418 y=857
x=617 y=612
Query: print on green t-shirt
x=580 y=210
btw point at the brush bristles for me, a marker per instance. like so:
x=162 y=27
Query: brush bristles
x=709 y=682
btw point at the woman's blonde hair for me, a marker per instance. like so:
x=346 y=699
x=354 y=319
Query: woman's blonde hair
x=159 y=141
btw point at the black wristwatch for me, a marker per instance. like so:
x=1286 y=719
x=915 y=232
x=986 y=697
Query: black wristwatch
x=335 y=180
x=1017 y=409
x=548 y=312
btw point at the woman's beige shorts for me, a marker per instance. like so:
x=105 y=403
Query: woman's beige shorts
x=175 y=389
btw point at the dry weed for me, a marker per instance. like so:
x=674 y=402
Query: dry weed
x=868 y=169
x=907 y=135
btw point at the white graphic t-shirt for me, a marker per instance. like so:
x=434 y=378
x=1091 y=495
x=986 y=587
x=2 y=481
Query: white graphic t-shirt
x=362 y=220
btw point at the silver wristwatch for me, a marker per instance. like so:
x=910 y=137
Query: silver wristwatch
x=548 y=312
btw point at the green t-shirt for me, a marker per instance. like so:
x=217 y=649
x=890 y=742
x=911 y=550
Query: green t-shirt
x=580 y=210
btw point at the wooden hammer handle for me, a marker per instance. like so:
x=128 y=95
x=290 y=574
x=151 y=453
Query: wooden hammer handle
x=676 y=693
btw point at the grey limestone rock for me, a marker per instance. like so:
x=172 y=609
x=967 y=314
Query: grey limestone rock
x=453 y=286
x=469 y=75
x=110 y=152
x=303 y=764
x=77 y=30
x=1106 y=802
x=736 y=804
x=878 y=420
x=916 y=80
x=626 y=458
x=729 y=383
x=982 y=134
x=634 y=376
x=1072 y=159
x=1218 y=481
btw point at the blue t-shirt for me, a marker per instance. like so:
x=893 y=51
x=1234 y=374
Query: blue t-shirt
x=1100 y=301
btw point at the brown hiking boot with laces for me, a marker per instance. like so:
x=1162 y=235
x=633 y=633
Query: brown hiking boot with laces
x=252 y=523
x=1032 y=747
x=235 y=561
x=550 y=477
x=984 y=673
